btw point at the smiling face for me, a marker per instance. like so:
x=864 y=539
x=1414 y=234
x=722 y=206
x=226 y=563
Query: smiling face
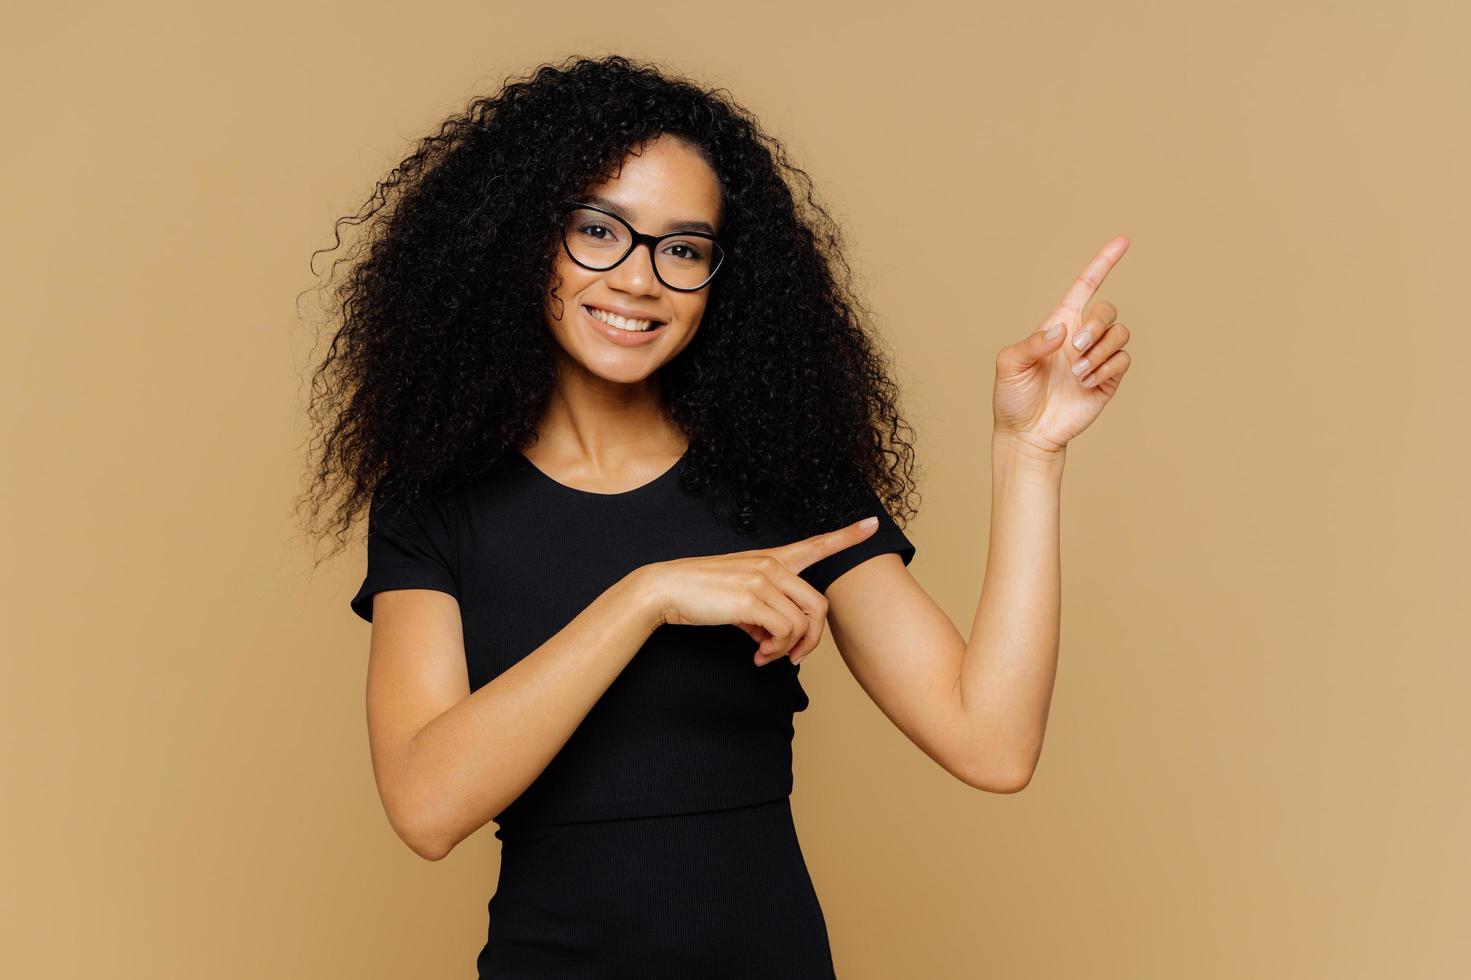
x=666 y=187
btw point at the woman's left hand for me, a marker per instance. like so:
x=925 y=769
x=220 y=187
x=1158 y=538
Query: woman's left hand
x=1040 y=397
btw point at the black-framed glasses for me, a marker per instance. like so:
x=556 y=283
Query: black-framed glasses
x=598 y=239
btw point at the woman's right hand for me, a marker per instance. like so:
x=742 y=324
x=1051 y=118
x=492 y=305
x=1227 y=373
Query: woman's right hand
x=758 y=590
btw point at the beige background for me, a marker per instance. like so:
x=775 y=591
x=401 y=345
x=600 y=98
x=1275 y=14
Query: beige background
x=1257 y=759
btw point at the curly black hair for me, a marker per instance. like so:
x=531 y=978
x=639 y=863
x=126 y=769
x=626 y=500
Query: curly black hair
x=441 y=360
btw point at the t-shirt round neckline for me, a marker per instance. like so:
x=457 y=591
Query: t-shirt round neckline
x=637 y=491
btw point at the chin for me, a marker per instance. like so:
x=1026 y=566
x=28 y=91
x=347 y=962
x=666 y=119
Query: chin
x=626 y=374
x=616 y=367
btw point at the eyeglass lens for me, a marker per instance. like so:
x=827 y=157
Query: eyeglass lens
x=599 y=241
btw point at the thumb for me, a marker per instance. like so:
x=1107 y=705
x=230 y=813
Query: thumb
x=1020 y=356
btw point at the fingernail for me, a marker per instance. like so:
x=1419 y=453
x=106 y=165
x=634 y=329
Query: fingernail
x=868 y=522
x=1053 y=331
x=1080 y=367
x=1082 y=340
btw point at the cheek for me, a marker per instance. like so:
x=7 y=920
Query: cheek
x=574 y=280
x=691 y=308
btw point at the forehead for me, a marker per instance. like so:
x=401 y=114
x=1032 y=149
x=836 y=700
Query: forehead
x=665 y=184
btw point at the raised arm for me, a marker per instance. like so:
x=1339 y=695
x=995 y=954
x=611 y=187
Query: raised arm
x=978 y=705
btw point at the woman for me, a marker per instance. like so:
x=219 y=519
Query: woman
x=618 y=424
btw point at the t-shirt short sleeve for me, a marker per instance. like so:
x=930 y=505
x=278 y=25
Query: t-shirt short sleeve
x=409 y=547
x=887 y=537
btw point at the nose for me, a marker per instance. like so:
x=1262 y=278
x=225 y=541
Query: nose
x=635 y=274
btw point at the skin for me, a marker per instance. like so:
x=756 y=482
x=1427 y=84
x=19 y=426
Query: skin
x=977 y=706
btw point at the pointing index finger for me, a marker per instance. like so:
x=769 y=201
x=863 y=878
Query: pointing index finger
x=1092 y=276
x=808 y=551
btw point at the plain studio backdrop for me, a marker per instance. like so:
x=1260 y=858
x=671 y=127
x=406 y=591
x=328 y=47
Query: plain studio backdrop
x=1256 y=763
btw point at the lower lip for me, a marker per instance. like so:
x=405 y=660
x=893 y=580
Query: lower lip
x=625 y=338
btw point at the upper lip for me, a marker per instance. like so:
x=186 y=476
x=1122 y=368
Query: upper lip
x=626 y=313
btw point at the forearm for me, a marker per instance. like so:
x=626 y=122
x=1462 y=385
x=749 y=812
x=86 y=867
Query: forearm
x=1010 y=661
x=470 y=762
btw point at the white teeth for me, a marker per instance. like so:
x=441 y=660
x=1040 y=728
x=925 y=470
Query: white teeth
x=622 y=323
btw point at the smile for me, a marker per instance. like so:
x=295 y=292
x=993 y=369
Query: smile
x=621 y=322
x=621 y=330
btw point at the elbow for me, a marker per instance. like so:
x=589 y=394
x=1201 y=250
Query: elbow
x=425 y=840
x=416 y=805
x=1015 y=782
x=430 y=853
x=995 y=779
x=429 y=847
x=421 y=829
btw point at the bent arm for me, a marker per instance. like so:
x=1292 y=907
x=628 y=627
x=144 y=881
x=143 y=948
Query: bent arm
x=1010 y=664
x=977 y=706
x=446 y=761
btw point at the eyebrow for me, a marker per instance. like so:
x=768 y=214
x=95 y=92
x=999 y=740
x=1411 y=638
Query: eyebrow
x=680 y=225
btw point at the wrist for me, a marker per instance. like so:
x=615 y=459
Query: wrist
x=641 y=587
x=1008 y=445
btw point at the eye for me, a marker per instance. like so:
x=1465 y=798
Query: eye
x=689 y=251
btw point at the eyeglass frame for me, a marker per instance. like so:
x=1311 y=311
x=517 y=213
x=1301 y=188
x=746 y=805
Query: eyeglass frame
x=639 y=238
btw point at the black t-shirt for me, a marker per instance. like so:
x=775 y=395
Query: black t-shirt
x=691 y=723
